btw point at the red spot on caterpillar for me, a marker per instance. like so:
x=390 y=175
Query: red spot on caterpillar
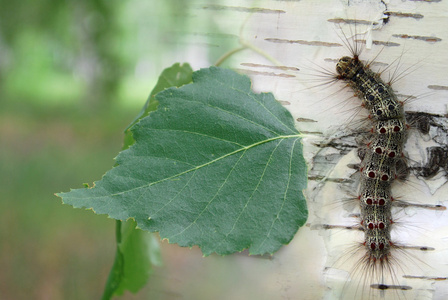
x=382 y=202
x=382 y=130
x=372 y=246
x=378 y=150
x=371 y=174
x=385 y=177
x=369 y=201
x=396 y=128
x=381 y=246
x=392 y=154
x=370 y=225
x=381 y=225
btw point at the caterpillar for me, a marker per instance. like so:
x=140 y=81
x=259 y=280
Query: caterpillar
x=379 y=161
x=382 y=162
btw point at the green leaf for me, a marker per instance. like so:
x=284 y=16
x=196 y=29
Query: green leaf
x=176 y=75
x=215 y=166
x=138 y=251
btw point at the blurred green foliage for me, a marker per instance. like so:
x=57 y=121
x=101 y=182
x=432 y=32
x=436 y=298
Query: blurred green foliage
x=95 y=50
x=58 y=44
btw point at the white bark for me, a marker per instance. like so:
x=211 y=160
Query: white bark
x=290 y=32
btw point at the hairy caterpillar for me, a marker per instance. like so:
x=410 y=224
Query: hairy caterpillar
x=378 y=167
x=379 y=164
x=379 y=260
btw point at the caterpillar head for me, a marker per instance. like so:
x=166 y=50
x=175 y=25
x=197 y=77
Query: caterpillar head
x=347 y=67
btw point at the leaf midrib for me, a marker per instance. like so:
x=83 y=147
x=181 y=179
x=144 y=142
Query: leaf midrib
x=245 y=148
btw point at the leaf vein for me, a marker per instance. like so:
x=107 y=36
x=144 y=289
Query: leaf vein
x=251 y=196
x=203 y=165
x=285 y=194
x=214 y=196
x=197 y=133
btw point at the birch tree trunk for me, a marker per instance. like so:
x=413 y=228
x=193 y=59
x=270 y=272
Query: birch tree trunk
x=286 y=44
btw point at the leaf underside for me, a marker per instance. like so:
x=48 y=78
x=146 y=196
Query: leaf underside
x=215 y=165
